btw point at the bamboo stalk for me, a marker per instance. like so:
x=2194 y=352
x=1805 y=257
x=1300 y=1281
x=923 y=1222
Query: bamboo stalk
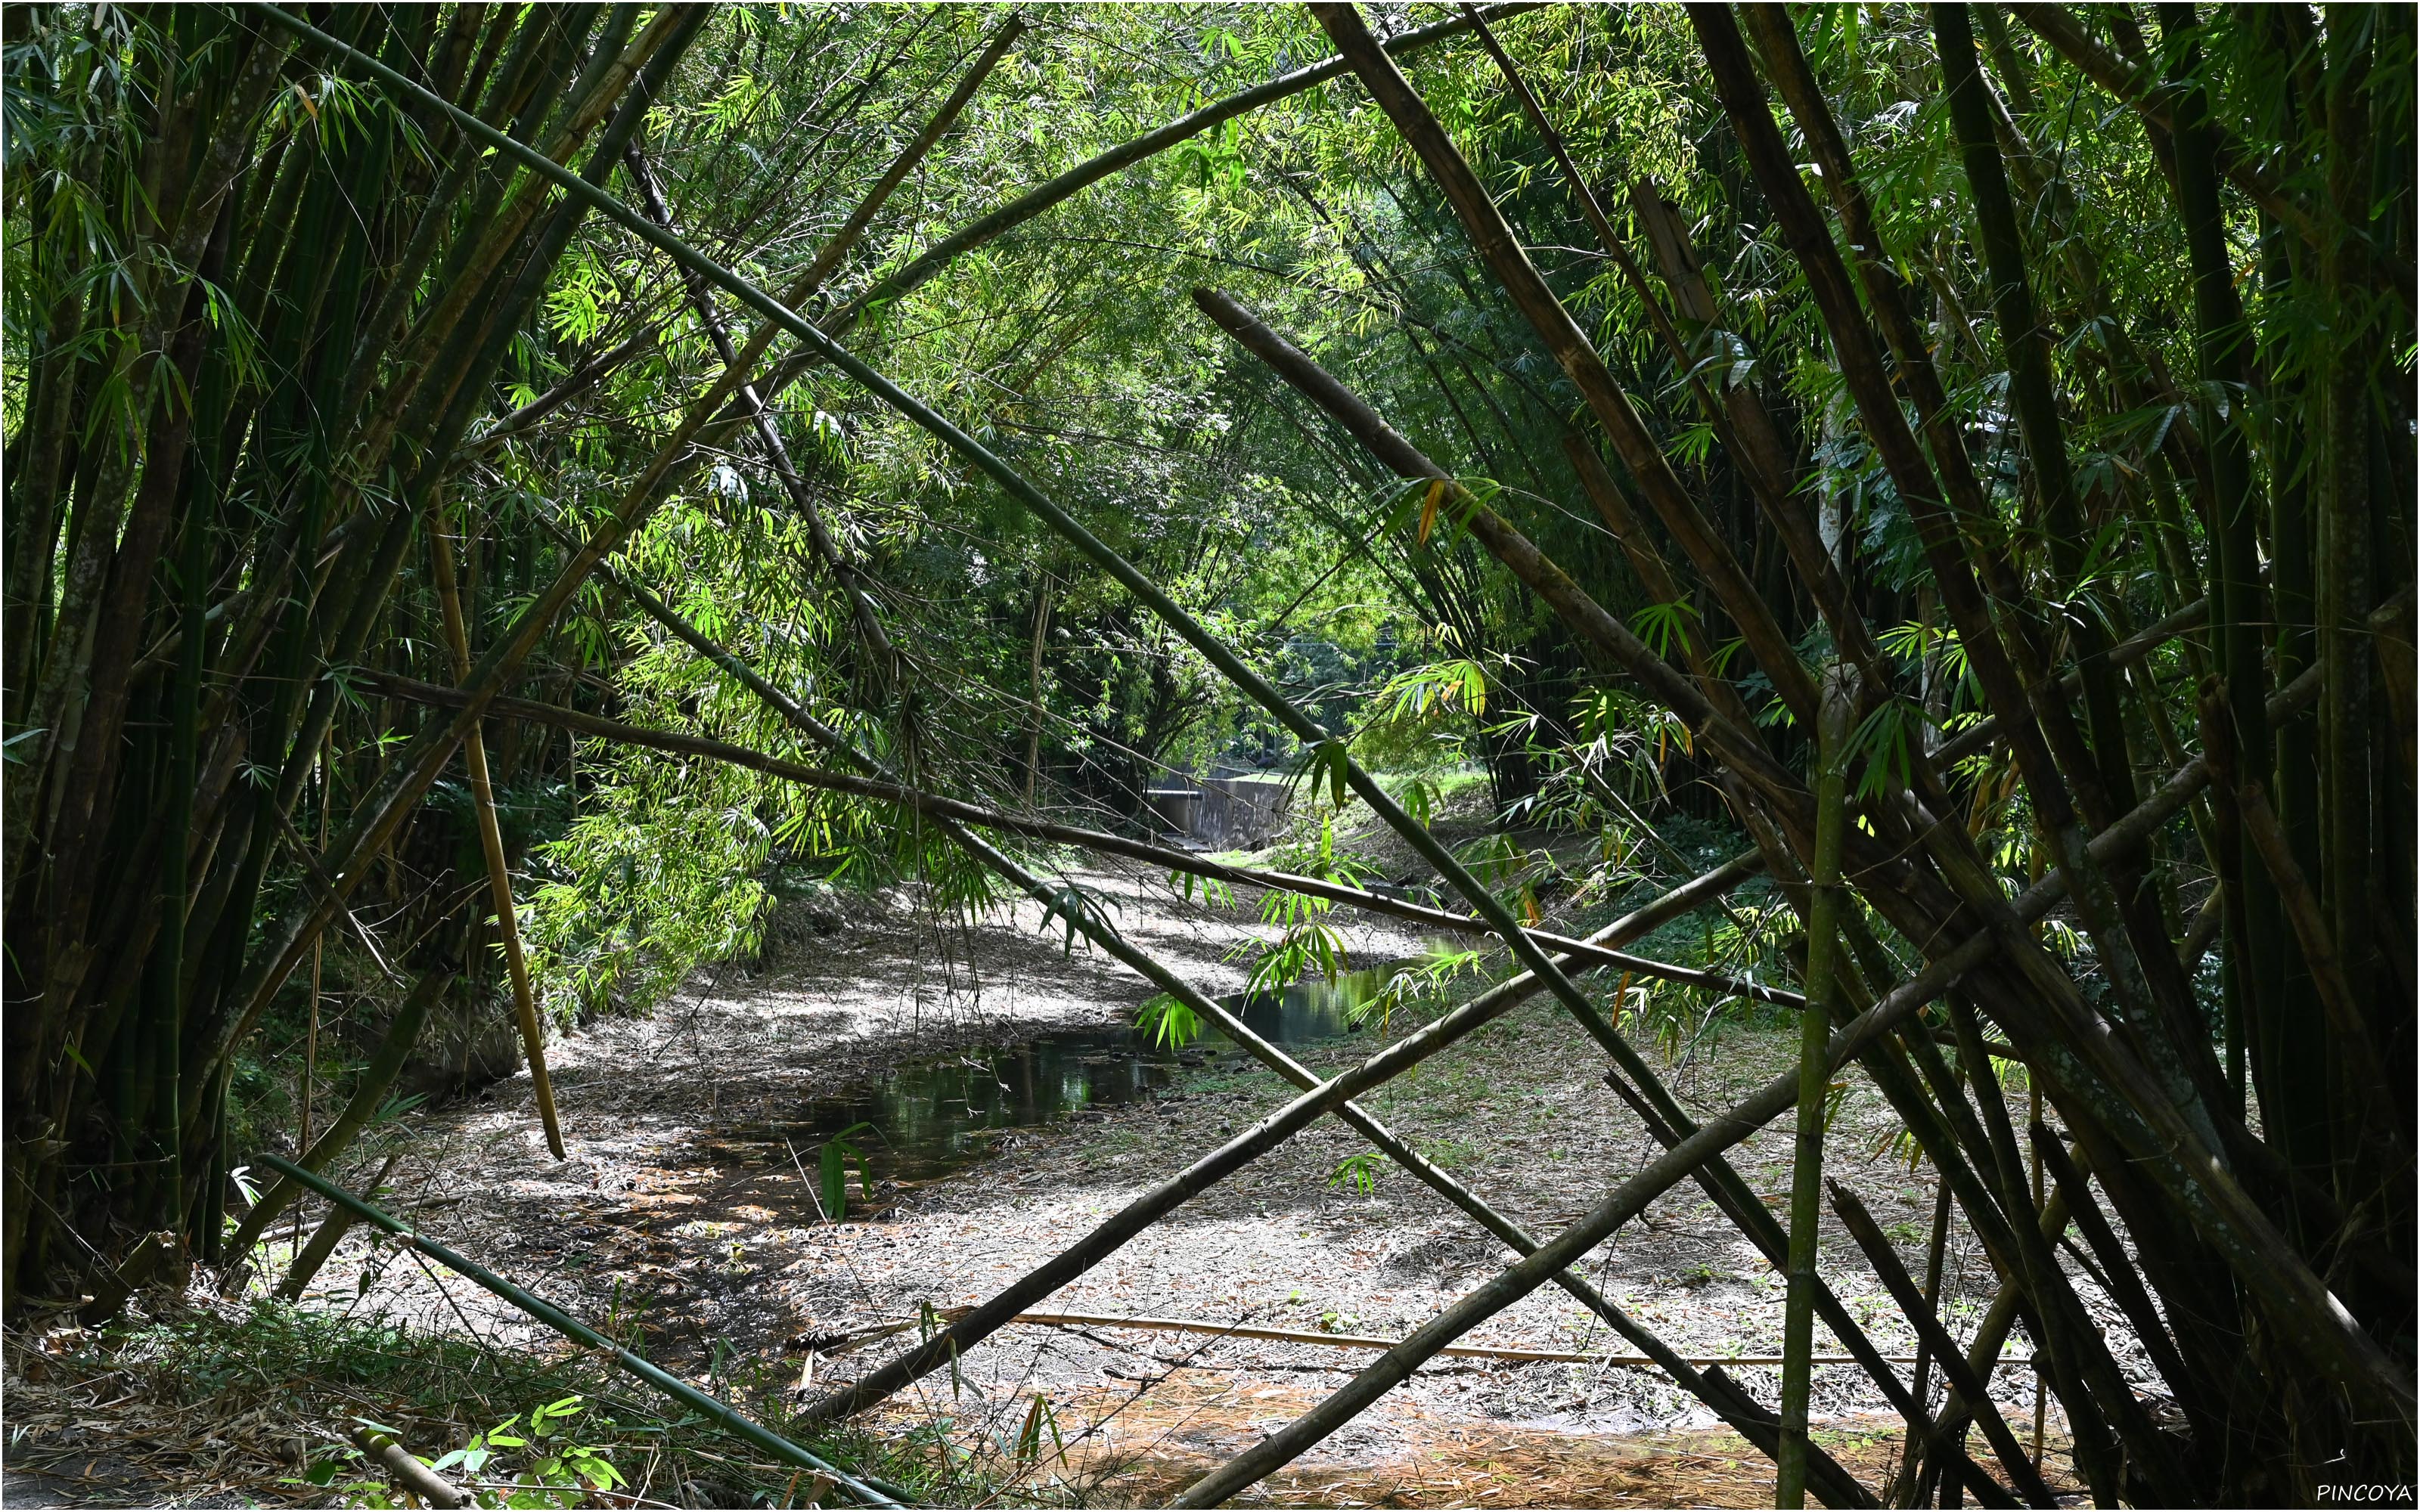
x=1611 y=407
x=1814 y=1079
x=415 y=1479
x=1919 y=1313
x=1912 y=1457
x=492 y=839
x=309 y=1257
x=369 y=1095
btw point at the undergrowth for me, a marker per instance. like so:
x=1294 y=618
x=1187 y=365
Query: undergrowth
x=279 y=1392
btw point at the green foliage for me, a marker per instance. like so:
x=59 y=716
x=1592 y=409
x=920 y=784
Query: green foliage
x=833 y=1160
x=1168 y=1021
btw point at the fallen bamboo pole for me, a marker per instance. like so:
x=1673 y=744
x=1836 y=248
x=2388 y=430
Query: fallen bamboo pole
x=856 y=1337
x=721 y=1415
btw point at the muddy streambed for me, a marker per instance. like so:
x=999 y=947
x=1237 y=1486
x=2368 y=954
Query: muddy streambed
x=1004 y=1105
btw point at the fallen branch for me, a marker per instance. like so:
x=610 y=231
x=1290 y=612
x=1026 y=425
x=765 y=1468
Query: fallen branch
x=409 y=1473
x=841 y=1344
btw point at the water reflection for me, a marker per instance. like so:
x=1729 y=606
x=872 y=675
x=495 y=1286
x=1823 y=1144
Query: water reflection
x=932 y=1117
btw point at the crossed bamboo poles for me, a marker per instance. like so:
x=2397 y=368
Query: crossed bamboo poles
x=2179 y=1155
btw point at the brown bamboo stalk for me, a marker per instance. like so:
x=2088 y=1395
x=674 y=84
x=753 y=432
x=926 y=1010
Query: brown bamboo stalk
x=1741 y=423
x=1342 y=1341
x=492 y=839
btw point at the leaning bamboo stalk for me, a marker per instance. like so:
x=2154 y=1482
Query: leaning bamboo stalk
x=1920 y=1313
x=1912 y=1454
x=1767 y=1234
x=1720 y=721
x=1493 y=238
x=311 y=1256
x=369 y=1095
x=1608 y=1214
x=721 y=1415
x=1824 y=965
x=492 y=839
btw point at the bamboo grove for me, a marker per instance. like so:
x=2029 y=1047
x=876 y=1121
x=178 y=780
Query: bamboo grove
x=1979 y=439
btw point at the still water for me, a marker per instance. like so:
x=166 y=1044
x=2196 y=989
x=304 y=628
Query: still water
x=931 y=1118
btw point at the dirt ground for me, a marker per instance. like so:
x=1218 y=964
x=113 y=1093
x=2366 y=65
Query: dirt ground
x=677 y=1212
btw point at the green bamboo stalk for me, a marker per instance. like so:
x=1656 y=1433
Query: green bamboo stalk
x=2258 y=960
x=1823 y=964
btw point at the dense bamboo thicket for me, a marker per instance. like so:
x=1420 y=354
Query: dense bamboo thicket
x=483 y=483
